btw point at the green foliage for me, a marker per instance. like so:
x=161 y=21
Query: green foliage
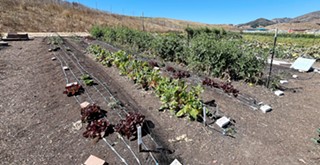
x=134 y=39
x=96 y=32
x=317 y=139
x=213 y=51
x=286 y=35
x=55 y=40
x=222 y=58
x=175 y=95
x=87 y=80
x=170 y=47
x=217 y=33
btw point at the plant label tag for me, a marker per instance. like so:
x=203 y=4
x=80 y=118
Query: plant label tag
x=175 y=162
x=204 y=115
x=93 y=160
x=283 y=81
x=84 y=104
x=265 y=108
x=279 y=93
x=139 y=137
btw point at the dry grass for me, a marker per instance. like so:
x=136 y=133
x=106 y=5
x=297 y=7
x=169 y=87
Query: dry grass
x=287 y=26
x=56 y=15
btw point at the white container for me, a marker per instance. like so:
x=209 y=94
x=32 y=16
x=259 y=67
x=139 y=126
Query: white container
x=84 y=104
x=70 y=84
x=265 y=108
x=176 y=162
x=279 y=93
x=283 y=81
x=223 y=121
x=65 y=68
x=93 y=160
x=294 y=76
x=53 y=58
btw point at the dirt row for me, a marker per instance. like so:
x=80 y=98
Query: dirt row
x=36 y=118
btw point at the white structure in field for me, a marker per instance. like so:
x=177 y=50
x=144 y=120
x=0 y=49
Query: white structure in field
x=265 y=108
x=223 y=121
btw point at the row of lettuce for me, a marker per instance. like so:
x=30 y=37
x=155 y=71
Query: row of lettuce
x=212 y=51
x=175 y=95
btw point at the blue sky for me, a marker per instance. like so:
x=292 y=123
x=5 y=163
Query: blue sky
x=207 y=11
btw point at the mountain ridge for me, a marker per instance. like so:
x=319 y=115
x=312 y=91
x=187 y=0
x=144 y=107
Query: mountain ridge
x=309 y=21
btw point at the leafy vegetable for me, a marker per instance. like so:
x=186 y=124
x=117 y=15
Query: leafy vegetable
x=97 y=129
x=153 y=64
x=87 y=80
x=128 y=126
x=174 y=95
x=226 y=87
x=73 y=89
x=181 y=74
x=317 y=140
x=91 y=113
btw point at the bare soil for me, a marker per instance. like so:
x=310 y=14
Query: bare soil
x=37 y=119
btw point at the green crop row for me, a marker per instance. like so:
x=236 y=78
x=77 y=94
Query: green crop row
x=213 y=51
x=175 y=95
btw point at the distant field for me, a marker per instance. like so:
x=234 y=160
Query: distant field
x=297 y=40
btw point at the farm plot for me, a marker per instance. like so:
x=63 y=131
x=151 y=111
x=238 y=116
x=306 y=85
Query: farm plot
x=36 y=118
x=297 y=89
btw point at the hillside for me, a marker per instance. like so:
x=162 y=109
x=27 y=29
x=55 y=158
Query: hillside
x=310 y=17
x=306 y=21
x=260 y=22
x=281 y=20
x=58 y=15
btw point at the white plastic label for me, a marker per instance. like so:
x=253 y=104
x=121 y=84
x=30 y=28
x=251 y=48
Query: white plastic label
x=139 y=135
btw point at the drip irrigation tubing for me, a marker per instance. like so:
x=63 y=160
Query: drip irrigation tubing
x=62 y=60
x=77 y=99
x=104 y=85
x=83 y=70
x=242 y=98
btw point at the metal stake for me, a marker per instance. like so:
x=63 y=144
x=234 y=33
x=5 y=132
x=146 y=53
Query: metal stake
x=272 y=56
x=139 y=138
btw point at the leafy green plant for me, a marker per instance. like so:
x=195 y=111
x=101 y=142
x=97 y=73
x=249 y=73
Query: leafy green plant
x=87 y=80
x=55 y=40
x=213 y=51
x=170 y=47
x=175 y=95
x=97 y=32
x=317 y=139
